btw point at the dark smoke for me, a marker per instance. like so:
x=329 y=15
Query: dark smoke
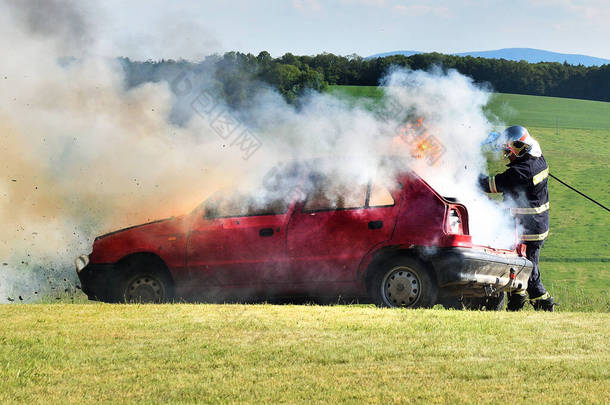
x=64 y=21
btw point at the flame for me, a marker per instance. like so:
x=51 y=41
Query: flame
x=421 y=144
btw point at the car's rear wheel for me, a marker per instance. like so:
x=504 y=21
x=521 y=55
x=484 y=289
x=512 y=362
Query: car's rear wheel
x=145 y=281
x=493 y=303
x=404 y=282
x=477 y=303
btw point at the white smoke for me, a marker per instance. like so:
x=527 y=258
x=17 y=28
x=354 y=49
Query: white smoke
x=82 y=155
x=452 y=107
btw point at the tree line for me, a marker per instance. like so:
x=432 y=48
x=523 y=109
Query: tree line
x=237 y=76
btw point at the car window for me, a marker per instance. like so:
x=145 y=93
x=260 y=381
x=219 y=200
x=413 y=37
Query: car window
x=327 y=194
x=380 y=196
x=240 y=205
x=272 y=196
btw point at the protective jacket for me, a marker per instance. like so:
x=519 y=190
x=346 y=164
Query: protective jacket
x=524 y=185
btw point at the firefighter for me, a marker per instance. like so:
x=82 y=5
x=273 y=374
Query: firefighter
x=524 y=185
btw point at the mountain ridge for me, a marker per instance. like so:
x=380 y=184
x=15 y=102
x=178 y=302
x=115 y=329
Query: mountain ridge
x=530 y=55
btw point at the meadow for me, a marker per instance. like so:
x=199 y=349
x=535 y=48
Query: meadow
x=99 y=353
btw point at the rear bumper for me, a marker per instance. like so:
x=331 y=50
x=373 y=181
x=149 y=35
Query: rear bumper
x=469 y=272
x=97 y=281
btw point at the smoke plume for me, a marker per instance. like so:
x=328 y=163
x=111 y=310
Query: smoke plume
x=82 y=154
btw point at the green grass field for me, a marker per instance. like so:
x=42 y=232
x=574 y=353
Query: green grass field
x=575 y=137
x=299 y=354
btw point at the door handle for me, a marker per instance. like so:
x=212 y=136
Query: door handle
x=265 y=232
x=375 y=224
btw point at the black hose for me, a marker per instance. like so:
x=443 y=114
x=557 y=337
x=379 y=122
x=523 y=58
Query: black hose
x=582 y=194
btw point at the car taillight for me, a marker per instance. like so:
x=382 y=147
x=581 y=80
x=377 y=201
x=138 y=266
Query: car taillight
x=454 y=222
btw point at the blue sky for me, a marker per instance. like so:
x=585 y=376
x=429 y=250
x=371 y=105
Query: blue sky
x=192 y=29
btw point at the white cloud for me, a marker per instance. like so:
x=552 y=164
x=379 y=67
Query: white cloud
x=306 y=5
x=416 y=10
x=594 y=11
x=372 y=3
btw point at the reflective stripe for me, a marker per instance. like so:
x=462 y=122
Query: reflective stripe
x=518 y=292
x=530 y=211
x=492 y=185
x=544 y=296
x=535 y=237
x=541 y=176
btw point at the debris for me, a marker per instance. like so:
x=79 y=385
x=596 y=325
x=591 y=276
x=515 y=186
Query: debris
x=10 y=299
x=20 y=298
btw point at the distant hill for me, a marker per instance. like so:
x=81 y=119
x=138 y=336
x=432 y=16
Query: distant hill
x=384 y=54
x=517 y=54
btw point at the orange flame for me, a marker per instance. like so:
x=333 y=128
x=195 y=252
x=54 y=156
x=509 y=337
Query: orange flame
x=421 y=144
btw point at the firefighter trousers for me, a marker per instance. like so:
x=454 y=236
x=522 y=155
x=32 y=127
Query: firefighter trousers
x=535 y=288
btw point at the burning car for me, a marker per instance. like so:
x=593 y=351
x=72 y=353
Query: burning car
x=396 y=242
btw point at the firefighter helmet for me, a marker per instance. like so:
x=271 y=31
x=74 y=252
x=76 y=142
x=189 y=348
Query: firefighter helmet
x=518 y=141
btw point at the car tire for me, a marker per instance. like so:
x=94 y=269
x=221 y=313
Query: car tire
x=479 y=303
x=145 y=282
x=404 y=283
x=495 y=303
x=450 y=302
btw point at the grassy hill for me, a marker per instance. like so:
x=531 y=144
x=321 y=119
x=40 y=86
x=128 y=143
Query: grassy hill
x=551 y=112
x=74 y=354
x=575 y=138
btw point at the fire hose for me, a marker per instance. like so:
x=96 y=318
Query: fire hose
x=582 y=194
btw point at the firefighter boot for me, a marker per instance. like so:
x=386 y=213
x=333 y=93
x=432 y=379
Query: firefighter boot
x=516 y=301
x=543 y=303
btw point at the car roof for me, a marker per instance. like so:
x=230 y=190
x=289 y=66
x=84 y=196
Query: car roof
x=311 y=164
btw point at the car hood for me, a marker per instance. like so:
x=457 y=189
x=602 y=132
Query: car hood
x=164 y=221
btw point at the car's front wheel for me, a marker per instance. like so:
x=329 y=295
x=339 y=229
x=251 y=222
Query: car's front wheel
x=405 y=282
x=145 y=282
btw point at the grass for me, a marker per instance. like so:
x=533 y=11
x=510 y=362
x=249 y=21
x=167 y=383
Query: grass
x=574 y=136
x=287 y=354
x=551 y=112
x=355 y=92
x=577 y=286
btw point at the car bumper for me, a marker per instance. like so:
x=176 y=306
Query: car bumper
x=97 y=281
x=471 y=272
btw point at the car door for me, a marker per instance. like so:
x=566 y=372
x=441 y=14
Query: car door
x=235 y=242
x=333 y=229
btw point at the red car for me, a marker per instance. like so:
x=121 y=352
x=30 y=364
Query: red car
x=308 y=234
